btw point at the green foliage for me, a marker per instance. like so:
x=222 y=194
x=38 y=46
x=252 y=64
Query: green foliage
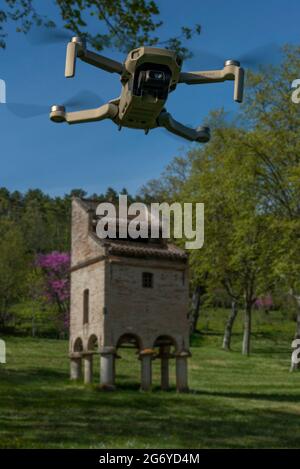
x=22 y=13
x=34 y=318
x=12 y=268
x=124 y=24
x=168 y=187
x=238 y=249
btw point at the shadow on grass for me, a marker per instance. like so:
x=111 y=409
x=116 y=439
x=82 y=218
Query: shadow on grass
x=84 y=418
x=32 y=375
x=275 y=397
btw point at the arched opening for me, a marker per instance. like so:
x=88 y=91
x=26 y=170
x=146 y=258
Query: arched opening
x=92 y=345
x=127 y=361
x=164 y=367
x=78 y=345
x=129 y=341
x=165 y=340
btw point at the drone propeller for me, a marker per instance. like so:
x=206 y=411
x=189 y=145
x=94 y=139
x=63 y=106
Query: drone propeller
x=49 y=35
x=24 y=111
x=268 y=54
x=85 y=98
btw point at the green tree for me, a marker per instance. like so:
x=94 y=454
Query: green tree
x=273 y=141
x=238 y=251
x=13 y=264
x=287 y=265
x=124 y=24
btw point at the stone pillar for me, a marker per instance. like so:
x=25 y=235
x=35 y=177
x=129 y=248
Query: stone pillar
x=182 y=371
x=88 y=367
x=107 y=368
x=75 y=366
x=146 y=369
x=164 y=355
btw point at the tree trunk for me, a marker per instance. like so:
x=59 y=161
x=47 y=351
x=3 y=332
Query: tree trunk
x=296 y=366
x=196 y=300
x=33 y=325
x=229 y=326
x=3 y=315
x=247 y=329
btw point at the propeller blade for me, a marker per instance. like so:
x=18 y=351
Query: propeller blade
x=49 y=35
x=204 y=60
x=82 y=99
x=85 y=99
x=268 y=54
x=27 y=110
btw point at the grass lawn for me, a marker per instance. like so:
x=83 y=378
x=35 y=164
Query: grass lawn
x=234 y=401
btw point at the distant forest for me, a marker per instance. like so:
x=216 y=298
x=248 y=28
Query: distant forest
x=45 y=221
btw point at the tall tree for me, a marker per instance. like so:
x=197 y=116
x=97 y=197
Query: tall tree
x=13 y=264
x=238 y=253
x=273 y=141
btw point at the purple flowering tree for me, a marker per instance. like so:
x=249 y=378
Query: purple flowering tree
x=55 y=267
x=264 y=302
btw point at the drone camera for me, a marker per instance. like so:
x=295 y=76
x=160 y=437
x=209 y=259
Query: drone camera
x=154 y=82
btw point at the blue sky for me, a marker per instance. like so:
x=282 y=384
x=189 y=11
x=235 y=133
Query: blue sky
x=36 y=153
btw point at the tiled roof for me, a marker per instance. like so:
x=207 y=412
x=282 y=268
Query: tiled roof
x=132 y=248
x=167 y=251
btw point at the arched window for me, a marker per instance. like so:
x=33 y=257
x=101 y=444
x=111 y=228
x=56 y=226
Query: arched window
x=86 y=306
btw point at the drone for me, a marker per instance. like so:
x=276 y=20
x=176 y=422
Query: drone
x=147 y=76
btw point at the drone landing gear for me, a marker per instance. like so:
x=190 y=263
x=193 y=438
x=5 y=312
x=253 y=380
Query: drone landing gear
x=107 y=111
x=201 y=134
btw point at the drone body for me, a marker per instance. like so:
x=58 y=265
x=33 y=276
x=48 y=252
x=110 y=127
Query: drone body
x=148 y=76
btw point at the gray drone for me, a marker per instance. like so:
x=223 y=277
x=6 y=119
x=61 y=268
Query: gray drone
x=148 y=76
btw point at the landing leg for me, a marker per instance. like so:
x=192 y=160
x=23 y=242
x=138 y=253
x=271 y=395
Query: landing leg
x=201 y=134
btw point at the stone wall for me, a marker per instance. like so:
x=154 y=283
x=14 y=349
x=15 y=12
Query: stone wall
x=147 y=312
x=118 y=303
x=91 y=277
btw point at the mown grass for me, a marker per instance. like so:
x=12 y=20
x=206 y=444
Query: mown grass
x=235 y=401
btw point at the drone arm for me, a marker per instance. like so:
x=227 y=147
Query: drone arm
x=76 y=49
x=107 y=111
x=199 y=78
x=201 y=134
x=229 y=72
x=100 y=61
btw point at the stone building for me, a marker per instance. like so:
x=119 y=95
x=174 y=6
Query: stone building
x=126 y=292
